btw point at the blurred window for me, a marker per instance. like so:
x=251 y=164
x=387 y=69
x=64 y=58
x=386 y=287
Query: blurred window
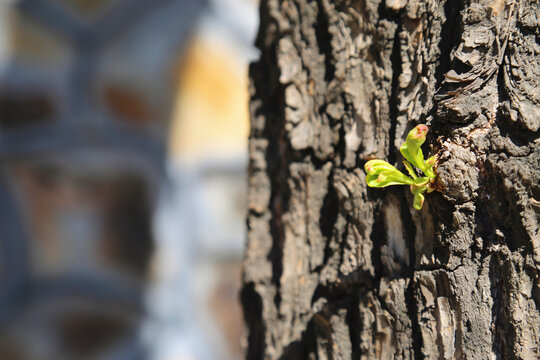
x=18 y=110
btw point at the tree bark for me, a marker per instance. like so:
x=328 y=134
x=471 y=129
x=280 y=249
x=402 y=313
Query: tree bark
x=336 y=270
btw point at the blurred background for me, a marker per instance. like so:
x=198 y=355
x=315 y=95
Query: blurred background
x=123 y=144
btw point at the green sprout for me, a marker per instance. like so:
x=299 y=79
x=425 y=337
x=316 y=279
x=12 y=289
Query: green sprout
x=382 y=174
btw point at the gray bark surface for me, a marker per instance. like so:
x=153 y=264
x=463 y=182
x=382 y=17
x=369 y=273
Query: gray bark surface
x=336 y=270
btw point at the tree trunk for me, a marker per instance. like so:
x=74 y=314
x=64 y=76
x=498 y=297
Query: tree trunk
x=336 y=270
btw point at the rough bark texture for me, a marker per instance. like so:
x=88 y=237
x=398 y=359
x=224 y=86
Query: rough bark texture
x=336 y=270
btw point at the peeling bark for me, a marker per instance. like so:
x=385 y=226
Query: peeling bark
x=334 y=270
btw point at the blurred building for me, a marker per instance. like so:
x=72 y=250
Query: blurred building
x=201 y=217
x=86 y=97
x=109 y=249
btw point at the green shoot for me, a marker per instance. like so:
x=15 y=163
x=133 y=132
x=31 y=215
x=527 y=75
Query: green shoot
x=382 y=174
